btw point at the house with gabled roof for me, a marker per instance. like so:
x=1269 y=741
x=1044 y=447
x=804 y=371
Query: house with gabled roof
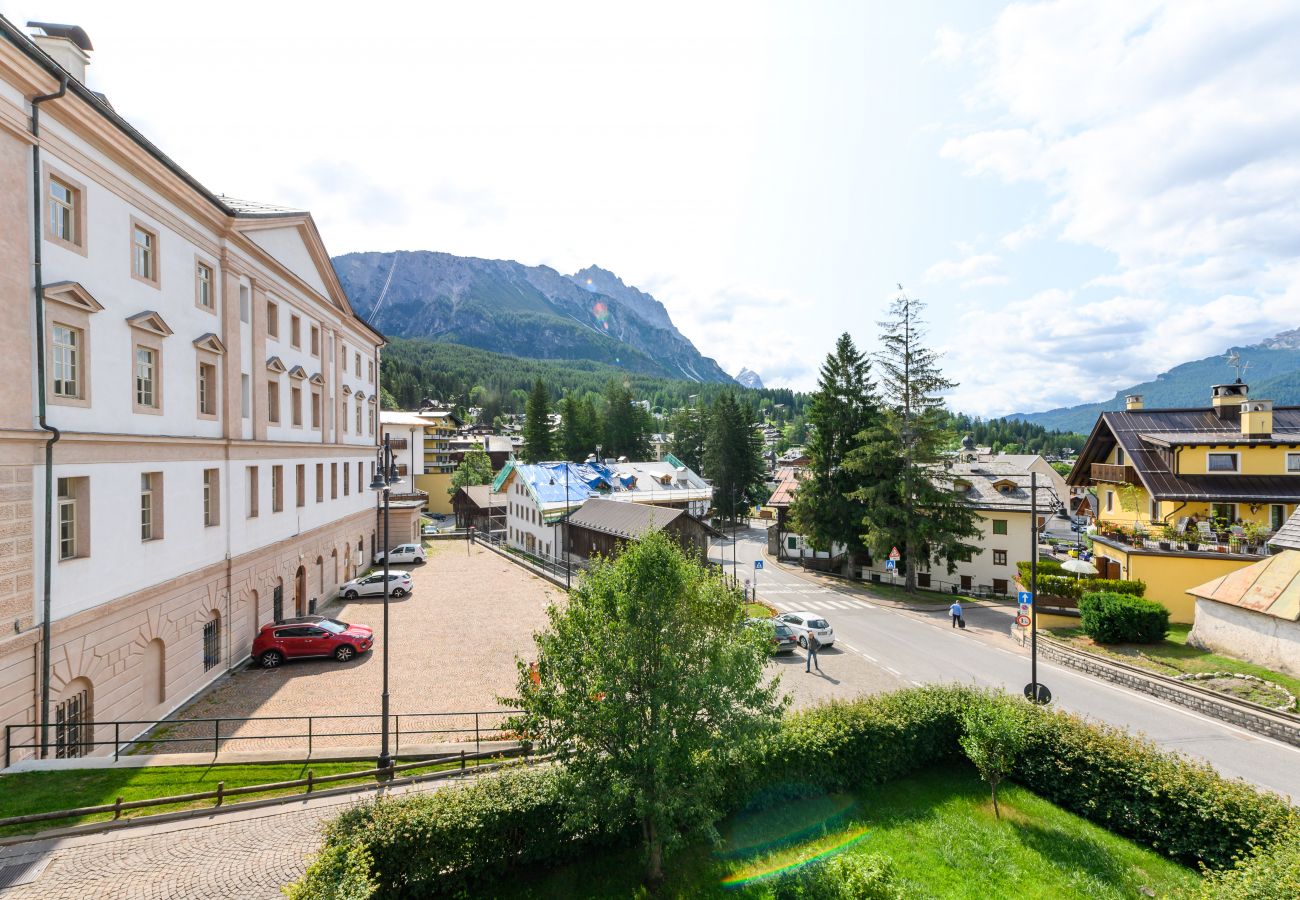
x=1187 y=495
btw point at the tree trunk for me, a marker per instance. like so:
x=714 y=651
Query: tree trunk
x=996 y=813
x=655 y=856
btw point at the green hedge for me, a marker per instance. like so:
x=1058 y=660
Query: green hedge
x=457 y=841
x=1073 y=588
x=1271 y=873
x=1111 y=618
x=453 y=840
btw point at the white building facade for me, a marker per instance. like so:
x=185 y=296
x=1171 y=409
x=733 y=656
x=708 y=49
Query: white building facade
x=214 y=400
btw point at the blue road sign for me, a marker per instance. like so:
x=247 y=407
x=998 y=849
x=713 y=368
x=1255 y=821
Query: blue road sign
x=1025 y=597
x=758 y=564
x=889 y=565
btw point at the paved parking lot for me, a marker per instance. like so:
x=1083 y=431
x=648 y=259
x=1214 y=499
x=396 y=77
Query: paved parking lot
x=454 y=640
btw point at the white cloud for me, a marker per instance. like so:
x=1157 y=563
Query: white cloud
x=972 y=270
x=1165 y=133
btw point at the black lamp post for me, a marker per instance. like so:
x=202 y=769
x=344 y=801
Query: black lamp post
x=385 y=475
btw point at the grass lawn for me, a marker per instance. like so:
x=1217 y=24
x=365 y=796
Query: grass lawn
x=937 y=828
x=894 y=592
x=23 y=793
x=1173 y=656
x=757 y=611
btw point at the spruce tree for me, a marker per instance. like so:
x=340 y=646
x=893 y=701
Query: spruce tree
x=689 y=427
x=537 y=425
x=627 y=427
x=844 y=411
x=916 y=509
x=733 y=455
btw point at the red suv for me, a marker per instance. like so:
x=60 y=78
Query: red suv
x=310 y=636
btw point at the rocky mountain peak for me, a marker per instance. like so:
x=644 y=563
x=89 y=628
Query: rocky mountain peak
x=749 y=378
x=1286 y=340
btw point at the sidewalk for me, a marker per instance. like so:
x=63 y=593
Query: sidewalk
x=245 y=853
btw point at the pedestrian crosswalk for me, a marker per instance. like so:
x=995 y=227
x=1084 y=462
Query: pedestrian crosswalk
x=826 y=605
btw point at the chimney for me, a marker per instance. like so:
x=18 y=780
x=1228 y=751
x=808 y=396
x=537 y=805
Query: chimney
x=1133 y=401
x=67 y=45
x=1257 y=419
x=1227 y=399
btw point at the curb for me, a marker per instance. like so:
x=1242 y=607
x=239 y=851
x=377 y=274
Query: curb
x=1242 y=713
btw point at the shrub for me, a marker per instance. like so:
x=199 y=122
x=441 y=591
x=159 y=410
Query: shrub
x=341 y=872
x=993 y=734
x=843 y=877
x=446 y=842
x=1271 y=873
x=1112 y=618
x=1073 y=588
x=1178 y=807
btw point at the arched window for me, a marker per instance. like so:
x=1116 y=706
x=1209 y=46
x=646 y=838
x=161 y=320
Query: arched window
x=153 y=674
x=212 y=641
x=74 y=728
x=320 y=574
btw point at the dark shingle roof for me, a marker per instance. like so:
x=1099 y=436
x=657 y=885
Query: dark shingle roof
x=1143 y=433
x=623 y=519
x=1288 y=536
x=481 y=494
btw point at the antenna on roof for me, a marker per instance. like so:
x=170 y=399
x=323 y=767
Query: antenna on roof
x=1234 y=359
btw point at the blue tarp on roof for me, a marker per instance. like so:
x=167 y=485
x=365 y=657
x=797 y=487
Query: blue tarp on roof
x=547 y=481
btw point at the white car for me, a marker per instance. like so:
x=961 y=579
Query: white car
x=406 y=553
x=804 y=622
x=373 y=585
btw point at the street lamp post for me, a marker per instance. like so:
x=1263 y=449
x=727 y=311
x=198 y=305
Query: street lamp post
x=385 y=475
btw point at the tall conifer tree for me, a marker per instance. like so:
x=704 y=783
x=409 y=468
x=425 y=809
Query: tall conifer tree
x=843 y=412
x=733 y=455
x=917 y=509
x=537 y=425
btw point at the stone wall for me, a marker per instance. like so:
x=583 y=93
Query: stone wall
x=1238 y=712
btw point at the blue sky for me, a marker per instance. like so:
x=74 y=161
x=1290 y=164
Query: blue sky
x=1084 y=193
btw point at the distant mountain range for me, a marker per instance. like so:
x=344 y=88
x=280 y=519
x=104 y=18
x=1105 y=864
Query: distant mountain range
x=1274 y=374
x=749 y=378
x=528 y=311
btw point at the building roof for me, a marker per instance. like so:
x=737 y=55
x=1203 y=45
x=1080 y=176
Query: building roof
x=625 y=520
x=787 y=481
x=481 y=495
x=1147 y=434
x=999 y=483
x=254 y=208
x=1288 y=536
x=397 y=417
x=560 y=486
x=1270 y=586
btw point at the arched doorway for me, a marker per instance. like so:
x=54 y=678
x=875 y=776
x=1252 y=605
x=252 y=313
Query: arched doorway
x=320 y=576
x=300 y=591
x=334 y=561
x=153 y=674
x=74 y=728
x=254 y=612
x=277 y=600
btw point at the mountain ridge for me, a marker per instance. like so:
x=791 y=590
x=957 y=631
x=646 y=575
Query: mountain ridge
x=528 y=311
x=1273 y=374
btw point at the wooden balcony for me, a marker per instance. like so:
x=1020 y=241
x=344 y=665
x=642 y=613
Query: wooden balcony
x=397 y=443
x=1114 y=474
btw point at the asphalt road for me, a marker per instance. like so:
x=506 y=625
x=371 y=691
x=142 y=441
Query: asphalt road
x=921 y=647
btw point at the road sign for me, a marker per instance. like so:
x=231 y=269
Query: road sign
x=894 y=554
x=758 y=564
x=1025 y=598
x=890 y=565
x=1042 y=695
x=1022 y=620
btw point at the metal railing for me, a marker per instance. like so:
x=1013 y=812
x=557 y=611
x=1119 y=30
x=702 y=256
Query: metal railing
x=136 y=733
x=550 y=565
x=385 y=776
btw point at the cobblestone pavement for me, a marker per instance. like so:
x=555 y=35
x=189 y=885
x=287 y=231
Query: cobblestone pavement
x=247 y=854
x=454 y=640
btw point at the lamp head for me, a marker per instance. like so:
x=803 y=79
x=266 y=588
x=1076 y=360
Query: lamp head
x=377 y=483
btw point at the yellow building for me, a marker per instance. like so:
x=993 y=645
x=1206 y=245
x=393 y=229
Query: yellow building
x=422 y=447
x=1188 y=495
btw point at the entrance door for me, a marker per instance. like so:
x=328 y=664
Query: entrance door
x=277 y=603
x=300 y=592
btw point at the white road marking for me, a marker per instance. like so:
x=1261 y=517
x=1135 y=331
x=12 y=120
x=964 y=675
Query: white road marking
x=892 y=669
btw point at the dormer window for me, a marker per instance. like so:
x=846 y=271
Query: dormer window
x=1221 y=462
x=962 y=485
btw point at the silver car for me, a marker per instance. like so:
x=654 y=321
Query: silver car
x=373 y=585
x=803 y=623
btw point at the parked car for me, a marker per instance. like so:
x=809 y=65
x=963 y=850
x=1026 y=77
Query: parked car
x=373 y=585
x=297 y=639
x=406 y=553
x=804 y=622
x=783 y=637
x=428 y=530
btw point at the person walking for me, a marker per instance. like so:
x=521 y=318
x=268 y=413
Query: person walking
x=955 y=610
x=813 y=644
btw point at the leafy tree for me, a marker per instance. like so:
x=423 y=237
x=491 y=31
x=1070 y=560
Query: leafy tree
x=387 y=400
x=689 y=427
x=646 y=683
x=917 y=508
x=993 y=735
x=474 y=468
x=733 y=456
x=843 y=412
x=537 y=425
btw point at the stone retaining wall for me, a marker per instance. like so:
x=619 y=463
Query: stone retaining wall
x=1242 y=713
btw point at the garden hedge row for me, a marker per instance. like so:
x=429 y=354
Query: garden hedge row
x=1111 y=618
x=1074 y=588
x=453 y=842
